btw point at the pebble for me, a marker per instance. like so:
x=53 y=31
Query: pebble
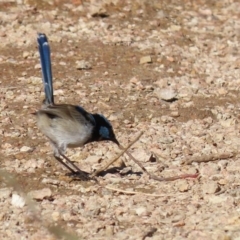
x=26 y=54
x=210 y=188
x=93 y=159
x=174 y=114
x=145 y=59
x=18 y=201
x=140 y=211
x=166 y=94
x=25 y=149
x=37 y=66
x=55 y=216
x=83 y=65
x=183 y=186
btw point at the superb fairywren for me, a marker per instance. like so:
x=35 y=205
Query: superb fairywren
x=67 y=125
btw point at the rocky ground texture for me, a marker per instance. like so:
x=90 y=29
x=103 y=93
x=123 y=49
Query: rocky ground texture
x=168 y=68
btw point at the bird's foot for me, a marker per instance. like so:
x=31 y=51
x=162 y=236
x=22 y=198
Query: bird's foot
x=81 y=176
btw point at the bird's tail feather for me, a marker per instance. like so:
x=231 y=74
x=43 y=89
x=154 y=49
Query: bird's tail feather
x=45 y=58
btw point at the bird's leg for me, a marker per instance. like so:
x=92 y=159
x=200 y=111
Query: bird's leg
x=57 y=152
x=79 y=173
x=70 y=162
x=75 y=170
x=83 y=175
x=64 y=164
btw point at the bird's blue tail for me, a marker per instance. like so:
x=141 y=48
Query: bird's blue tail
x=45 y=58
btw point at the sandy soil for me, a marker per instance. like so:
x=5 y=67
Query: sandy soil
x=168 y=68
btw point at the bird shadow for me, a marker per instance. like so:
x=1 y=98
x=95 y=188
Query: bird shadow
x=119 y=170
x=114 y=170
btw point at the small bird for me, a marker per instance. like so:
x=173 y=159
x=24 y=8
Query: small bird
x=67 y=125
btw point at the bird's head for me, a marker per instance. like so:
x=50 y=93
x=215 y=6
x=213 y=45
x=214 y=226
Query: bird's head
x=103 y=130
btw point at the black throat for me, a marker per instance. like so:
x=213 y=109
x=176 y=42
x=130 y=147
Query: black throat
x=95 y=133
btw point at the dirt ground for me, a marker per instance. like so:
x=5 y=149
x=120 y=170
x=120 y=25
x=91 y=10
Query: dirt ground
x=168 y=68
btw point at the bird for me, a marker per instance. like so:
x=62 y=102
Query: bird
x=66 y=125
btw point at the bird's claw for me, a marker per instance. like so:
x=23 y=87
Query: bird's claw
x=82 y=176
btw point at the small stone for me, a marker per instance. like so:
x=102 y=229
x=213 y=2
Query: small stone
x=166 y=140
x=25 y=54
x=222 y=91
x=41 y=194
x=145 y=59
x=161 y=14
x=17 y=201
x=179 y=224
x=62 y=63
x=93 y=159
x=217 y=199
x=98 y=11
x=83 y=65
x=178 y=217
x=109 y=230
x=183 y=186
x=55 y=216
x=175 y=114
x=175 y=27
x=59 y=92
x=66 y=216
x=170 y=59
x=25 y=149
x=210 y=188
x=113 y=117
x=35 y=80
x=37 y=66
x=166 y=94
x=206 y=12
x=140 y=211
x=223 y=181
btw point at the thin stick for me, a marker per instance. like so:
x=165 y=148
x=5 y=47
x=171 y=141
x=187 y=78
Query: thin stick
x=160 y=179
x=212 y=157
x=133 y=193
x=118 y=156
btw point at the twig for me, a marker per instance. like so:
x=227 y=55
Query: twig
x=151 y=176
x=133 y=192
x=161 y=179
x=209 y=158
x=118 y=156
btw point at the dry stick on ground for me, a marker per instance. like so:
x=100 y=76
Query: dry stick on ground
x=133 y=192
x=212 y=157
x=118 y=156
x=161 y=179
x=151 y=176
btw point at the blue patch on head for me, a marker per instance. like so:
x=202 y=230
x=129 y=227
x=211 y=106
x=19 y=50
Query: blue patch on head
x=104 y=132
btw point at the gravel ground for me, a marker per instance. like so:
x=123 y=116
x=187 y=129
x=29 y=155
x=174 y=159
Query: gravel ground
x=168 y=68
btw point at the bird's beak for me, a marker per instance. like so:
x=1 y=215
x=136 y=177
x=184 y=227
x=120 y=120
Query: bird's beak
x=115 y=141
